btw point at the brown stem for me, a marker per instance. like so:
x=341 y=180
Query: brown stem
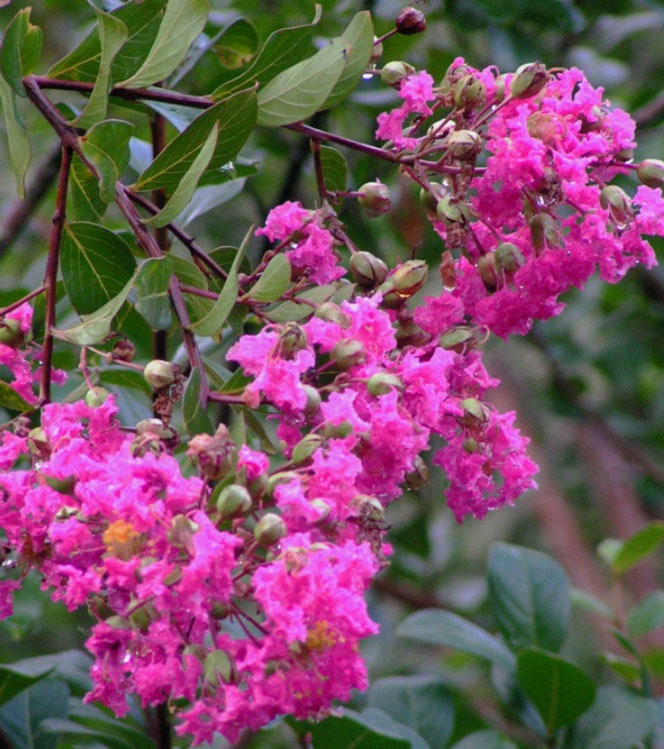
x=39 y=290
x=318 y=166
x=158 y=133
x=66 y=132
x=51 y=274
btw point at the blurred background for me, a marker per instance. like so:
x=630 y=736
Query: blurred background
x=588 y=386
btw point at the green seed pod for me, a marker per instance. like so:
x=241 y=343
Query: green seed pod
x=469 y=93
x=348 y=353
x=337 y=431
x=528 y=80
x=382 y=383
x=616 y=200
x=10 y=333
x=499 y=94
x=544 y=232
x=367 y=269
x=156 y=427
x=509 y=257
x=233 y=500
x=394 y=72
x=270 y=529
x=96 y=397
x=464 y=145
x=409 y=277
x=306 y=447
x=159 y=373
x=375 y=198
x=470 y=445
x=474 y=409
x=331 y=312
x=651 y=172
x=313 y=400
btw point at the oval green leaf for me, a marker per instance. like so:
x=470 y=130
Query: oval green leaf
x=274 y=280
x=154 y=302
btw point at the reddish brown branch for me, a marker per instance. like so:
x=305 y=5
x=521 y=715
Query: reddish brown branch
x=39 y=290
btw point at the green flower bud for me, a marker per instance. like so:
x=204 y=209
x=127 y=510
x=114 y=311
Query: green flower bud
x=217 y=668
x=499 y=94
x=368 y=507
x=347 y=353
x=331 y=312
x=337 y=431
x=470 y=445
x=376 y=51
x=419 y=476
x=323 y=507
x=428 y=200
x=96 y=397
x=651 y=172
x=509 y=257
x=270 y=529
x=625 y=155
x=367 y=269
x=528 y=80
x=10 y=333
x=382 y=383
x=473 y=409
x=545 y=232
x=306 y=447
x=220 y=610
x=38 y=443
x=411 y=21
x=159 y=373
x=156 y=427
x=375 y=198
x=394 y=72
x=451 y=211
x=409 y=277
x=283 y=477
x=409 y=333
x=452 y=76
x=616 y=200
x=291 y=340
x=233 y=500
x=181 y=532
x=313 y=400
x=469 y=92
x=455 y=337
x=488 y=271
x=464 y=145
x=63 y=486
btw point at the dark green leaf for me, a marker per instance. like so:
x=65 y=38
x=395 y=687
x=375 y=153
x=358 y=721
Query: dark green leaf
x=214 y=320
x=366 y=730
x=237 y=44
x=301 y=90
x=196 y=421
x=154 y=303
x=529 y=596
x=236 y=383
x=292 y=311
x=558 y=688
x=273 y=282
x=142 y=20
x=446 y=629
x=132 y=732
x=106 y=145
x=183 y=21
x=95 y=327
x=618 y=719
x=640 y=545
x=282 y=49
x=17 y=138
x=335 y=169
x=80 y=735
x=96 y=264
x=86 y=203
x=16 y=677
x=626 y=669
x=10 y=399
x=20 y=719
x=184 y=192
x=359 y=36
x=422 y=702
x=484 y=740
x=255 y=425
x=236 y=117
x=21 y=50
x=112 y=36
x=647 y=615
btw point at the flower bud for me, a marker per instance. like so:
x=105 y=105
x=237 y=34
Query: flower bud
x=509 y=257
x=159 y=373
x=528 y=80
x=96 y=397
x=624 y=155
x=419 y=476
x=62 y=485
x=181 y=532
x=11 y=333
x=376 y=51
x=214 y=454
x=38 y=443
x=367 y=269
x=464 y=145
x=331 y=312
x=409 y=333
x=337 y=431
x=217 y=668
x=270 y=529
x=382 y=383
x=453 y=75
x=283 y=477
x=347 y=353
x=411 y=21
x=409 y=278
x=313 y=400
x=499 y=94
x=323 y=507
x=394 y=72
x=473 y=410
x=368 y=507
x=544 y=232
x=486 y=267
x=124 y=350
x=375 y=198
x=651 y=172
x=469 y=92
x=156 y=427
x=220 y=610
x=470 y=445
x=233 y=500
x=451 y=211
x=429 y=201
x=291 y=340
x=616 y=200
x=455 y=337
x=306 y=447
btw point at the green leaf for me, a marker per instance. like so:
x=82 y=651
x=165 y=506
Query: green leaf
x=142 y=20
x=214 y=320
x=112 y=35
x=335 y=169
x=283 y=48
x=292 y=311
x=647 y=615
x=359 y=35
x=196 y=420
x=206 y=198
x=154 y=303
x=17 y=138
x=16 y=677
x=21 y=50
x=422 y=702
x=77 y=735
x=626 y=669
x=96 y=264
x=589 y=602
x=273 y=282
x=97 y=326
x=618 y=719
x=484 y=740
x=559 y=689
x=183 y=21
x=184 y=192
x=106 y=145
x=302 y=89
x=237 y=44
x=529 y=596
x=10 y=399
x=20 y=719
x=255 y=425
x=446 y=629
x=236 y=117
x=366 y=730
x=638 y=546
x=85 y=202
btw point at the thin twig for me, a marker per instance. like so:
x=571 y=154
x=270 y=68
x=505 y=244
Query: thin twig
x=14 y=305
